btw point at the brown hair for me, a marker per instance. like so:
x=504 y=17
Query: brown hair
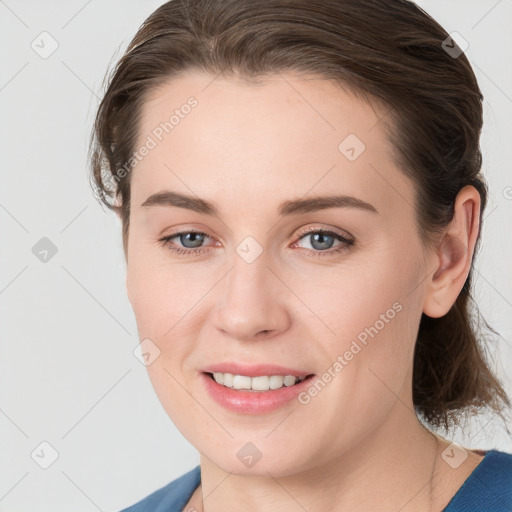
x=388 y=50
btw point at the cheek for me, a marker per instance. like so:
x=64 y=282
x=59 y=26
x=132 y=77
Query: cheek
x=370 y=313
x=171 y=388
x=161 y=294
x=163 y=299
x=169 y=302
x=374 y=317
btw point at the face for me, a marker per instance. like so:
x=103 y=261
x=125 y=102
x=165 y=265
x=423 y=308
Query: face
x=273 y=275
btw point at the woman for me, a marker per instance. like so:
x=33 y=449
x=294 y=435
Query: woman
x=300 y=192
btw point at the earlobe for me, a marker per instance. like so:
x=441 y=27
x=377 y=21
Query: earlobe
x=454 y=255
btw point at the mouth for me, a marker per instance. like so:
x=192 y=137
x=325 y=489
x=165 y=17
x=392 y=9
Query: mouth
x=259 y=383
x=254 y=388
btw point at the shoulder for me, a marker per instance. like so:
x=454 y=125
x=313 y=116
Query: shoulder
x=488 y=487
x=170 y=498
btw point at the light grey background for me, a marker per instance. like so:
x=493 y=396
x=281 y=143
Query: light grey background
x=67 y=372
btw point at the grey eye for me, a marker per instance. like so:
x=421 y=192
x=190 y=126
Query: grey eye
x=191 y=240
x=321 y=241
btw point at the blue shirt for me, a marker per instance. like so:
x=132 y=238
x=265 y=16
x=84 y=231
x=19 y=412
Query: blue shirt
x=487 y=489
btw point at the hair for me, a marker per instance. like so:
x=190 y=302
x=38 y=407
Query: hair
x=387 y=51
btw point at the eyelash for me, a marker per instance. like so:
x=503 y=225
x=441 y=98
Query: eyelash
x=344 y=246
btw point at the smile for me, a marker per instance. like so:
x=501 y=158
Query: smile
x=259 y=383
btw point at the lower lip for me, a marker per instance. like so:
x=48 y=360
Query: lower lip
x=253 y=402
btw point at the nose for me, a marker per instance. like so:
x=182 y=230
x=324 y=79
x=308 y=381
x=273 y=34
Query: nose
x=251 y=302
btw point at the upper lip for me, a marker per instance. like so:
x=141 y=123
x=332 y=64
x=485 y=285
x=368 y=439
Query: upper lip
x=254 y=370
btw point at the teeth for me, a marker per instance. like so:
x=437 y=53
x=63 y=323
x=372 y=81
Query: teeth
x=241 y=382
x=260 y=383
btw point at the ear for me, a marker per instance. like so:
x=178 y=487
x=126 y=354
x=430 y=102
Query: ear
x=454 y=254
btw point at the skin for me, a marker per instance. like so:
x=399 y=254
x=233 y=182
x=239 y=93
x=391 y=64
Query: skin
x=247 y=148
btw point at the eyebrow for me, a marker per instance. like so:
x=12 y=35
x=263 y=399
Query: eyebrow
x=294 y=206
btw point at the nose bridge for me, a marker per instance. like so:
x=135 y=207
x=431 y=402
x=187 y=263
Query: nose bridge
x=248 y=280
x=250 y=301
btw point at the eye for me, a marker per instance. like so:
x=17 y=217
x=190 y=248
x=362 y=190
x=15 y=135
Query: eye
x=321 y=241
x=191 y=241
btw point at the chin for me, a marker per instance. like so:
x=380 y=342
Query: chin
x=245 y=461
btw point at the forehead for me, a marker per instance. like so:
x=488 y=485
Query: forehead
x=284 y=137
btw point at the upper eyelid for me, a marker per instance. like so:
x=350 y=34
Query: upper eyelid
x=307 y=231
